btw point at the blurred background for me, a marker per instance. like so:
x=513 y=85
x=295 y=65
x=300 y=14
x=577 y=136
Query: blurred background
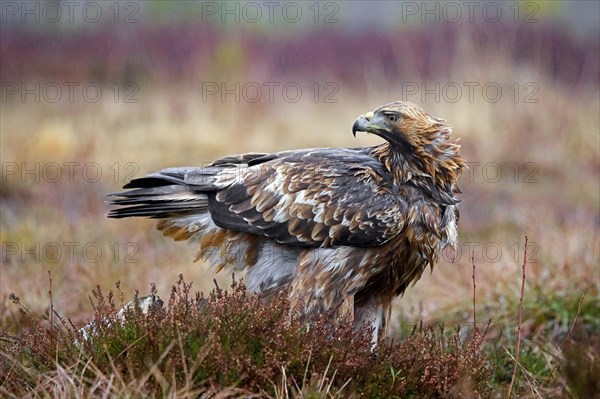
x=97 y=93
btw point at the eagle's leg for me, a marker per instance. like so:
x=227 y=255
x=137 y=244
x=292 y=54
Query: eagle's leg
x=374 y=312
x=312 y=300
x=321 y=286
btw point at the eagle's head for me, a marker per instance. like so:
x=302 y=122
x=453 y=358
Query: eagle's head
x=400 y=122
x=417 y=140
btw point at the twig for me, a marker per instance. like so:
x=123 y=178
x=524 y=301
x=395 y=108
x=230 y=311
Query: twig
x=51 y=311
x=576 y=317
x=512 y=380
x=474 y=286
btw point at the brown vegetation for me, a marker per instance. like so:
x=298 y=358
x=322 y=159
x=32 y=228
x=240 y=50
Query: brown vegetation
x=547 y=152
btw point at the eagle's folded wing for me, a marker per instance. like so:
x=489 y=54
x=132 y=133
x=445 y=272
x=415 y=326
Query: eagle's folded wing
x=309 y=204
x=314 y=198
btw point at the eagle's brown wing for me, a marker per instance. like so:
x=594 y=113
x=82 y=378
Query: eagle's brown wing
x=310 y=198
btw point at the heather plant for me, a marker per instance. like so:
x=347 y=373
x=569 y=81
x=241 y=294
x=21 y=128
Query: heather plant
x=231 y=342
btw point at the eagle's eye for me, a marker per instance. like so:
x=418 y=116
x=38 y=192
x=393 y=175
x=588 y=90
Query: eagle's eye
x=392 y=118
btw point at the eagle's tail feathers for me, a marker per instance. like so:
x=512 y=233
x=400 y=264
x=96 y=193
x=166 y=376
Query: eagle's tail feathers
x=157 y=198
x=161 y=209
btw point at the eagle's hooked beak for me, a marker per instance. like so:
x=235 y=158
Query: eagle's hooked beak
x=363 y=124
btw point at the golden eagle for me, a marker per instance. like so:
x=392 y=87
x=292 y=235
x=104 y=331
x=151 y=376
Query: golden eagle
x=346 y=230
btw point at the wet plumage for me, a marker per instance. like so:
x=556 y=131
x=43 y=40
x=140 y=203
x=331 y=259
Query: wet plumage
x=344 y=229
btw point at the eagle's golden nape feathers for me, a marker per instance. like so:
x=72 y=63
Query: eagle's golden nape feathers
x=343 y=229
x=417 y=142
